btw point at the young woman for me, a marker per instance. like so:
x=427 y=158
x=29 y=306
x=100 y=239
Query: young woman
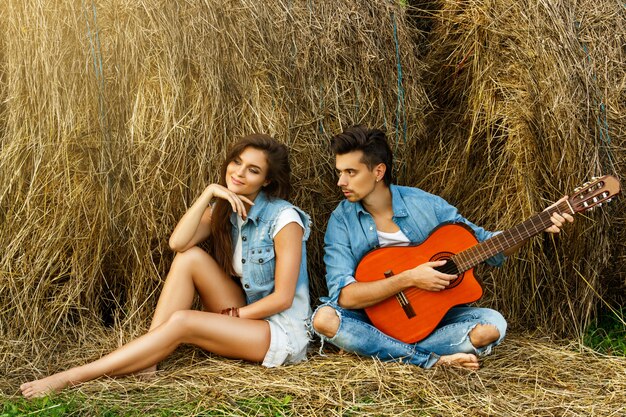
x=253 y=285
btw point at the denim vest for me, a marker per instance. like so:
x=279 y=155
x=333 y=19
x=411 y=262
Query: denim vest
x=351 y=231
x=259 y=258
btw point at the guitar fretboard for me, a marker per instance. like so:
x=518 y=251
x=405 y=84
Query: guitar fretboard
x=473 y=256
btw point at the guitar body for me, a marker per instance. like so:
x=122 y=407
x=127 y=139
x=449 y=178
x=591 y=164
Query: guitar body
x=425 y=309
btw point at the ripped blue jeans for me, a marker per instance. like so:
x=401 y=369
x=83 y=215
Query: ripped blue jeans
x=357 y=334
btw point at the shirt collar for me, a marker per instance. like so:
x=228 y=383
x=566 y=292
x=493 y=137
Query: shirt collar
x=397 y=203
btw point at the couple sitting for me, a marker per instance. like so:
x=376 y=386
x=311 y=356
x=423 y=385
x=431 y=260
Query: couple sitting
x=254 y=285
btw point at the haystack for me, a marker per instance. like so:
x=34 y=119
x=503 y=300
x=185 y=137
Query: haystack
x=528 y=104
x=115 y=115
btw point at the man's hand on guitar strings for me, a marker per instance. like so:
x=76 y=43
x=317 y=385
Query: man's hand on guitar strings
x=426 y=277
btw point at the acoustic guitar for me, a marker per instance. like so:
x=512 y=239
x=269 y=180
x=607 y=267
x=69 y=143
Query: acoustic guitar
x=413 y=314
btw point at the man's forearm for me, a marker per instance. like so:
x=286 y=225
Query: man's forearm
x=366 y=294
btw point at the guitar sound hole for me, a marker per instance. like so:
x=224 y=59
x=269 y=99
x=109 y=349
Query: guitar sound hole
x=449 y=268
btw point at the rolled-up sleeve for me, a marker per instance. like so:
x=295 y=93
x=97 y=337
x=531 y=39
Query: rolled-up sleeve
x=338 y=257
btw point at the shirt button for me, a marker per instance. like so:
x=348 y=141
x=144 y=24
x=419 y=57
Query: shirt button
x=247 y=286
x=371 y=227
x=243 y=261
x=244 y=238
x=261 y=260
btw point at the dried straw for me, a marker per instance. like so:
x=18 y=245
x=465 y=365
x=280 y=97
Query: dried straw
x=527 y=376
x=528 y=104
x=115 y=114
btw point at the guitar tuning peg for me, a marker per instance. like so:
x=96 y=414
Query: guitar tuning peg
x=577 y=189
x=594 y=178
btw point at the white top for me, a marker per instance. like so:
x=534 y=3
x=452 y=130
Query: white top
x=285 y=217
x=392 y=239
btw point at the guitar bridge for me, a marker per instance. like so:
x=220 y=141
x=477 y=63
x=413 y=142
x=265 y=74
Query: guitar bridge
x=404 y=302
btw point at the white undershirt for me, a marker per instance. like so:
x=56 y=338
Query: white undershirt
x=392 y=239
x=284 y=218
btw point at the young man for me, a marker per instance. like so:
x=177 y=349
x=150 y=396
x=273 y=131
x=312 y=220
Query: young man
x=379 y=213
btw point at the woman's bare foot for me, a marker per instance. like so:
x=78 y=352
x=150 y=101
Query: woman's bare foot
x=149 y=372
x=463 y=360
x=45 y=386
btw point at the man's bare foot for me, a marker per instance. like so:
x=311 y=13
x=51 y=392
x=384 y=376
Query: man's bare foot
x=45 y=386
x=463 y=360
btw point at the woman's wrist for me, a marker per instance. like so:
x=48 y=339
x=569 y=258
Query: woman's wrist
x=207 y=195
x=231 y=311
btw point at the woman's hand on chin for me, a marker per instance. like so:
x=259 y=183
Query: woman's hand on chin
x=237 y=202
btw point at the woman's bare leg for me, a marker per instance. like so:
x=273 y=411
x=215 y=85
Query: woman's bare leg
x=195 y=271
x=226 y=336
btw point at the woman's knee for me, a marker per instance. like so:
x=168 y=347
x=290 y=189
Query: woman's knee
x=180 y=321
x=189 y=258
x=326 y=321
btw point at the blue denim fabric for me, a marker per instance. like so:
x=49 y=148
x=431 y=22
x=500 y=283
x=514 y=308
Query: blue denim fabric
x=259 y=262
x=357 y=334
x=351 y=232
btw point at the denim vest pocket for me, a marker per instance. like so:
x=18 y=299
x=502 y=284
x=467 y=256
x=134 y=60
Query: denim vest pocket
x=262 y=264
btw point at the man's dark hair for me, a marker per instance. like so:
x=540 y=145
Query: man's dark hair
x=373 y=144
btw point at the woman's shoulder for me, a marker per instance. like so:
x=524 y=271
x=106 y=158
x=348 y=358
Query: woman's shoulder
x=278 y=205
x=285 y=212
x=278 y=202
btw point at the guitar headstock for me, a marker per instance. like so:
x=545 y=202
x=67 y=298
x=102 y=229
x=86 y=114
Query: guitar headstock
x=594 y=193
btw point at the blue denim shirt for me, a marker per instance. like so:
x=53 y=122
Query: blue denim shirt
x=259 y=259
x=351 y=232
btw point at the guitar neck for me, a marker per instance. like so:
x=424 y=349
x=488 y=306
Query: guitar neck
x=473 y=256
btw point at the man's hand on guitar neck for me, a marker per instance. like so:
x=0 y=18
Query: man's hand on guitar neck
x=559 y=219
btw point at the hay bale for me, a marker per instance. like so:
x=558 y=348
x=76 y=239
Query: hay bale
x=527 y=104
x=116 y=115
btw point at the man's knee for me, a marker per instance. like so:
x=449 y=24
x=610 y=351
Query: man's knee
x=326 y=321
x=483 y=335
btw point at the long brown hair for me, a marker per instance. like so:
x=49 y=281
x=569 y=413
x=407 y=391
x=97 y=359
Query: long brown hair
x=278 y=174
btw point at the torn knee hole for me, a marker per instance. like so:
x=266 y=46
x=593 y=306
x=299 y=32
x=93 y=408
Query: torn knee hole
x=483 y=335
x=326 y=321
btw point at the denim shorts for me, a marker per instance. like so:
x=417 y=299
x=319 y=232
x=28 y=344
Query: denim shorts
x=285 y=348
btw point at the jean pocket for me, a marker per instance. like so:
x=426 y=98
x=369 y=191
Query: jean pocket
x=262 y=264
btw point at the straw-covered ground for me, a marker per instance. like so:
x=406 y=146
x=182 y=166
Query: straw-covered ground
x=115 y=114
x=527 y=376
